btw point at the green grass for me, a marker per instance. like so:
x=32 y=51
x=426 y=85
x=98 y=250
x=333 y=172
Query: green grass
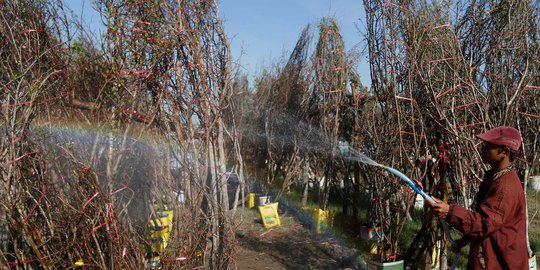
x=533 y=205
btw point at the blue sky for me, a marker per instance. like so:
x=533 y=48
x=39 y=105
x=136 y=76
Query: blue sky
x=263 y=31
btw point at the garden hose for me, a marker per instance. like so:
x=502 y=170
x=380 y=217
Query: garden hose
x=418 y=189
x=354 y=155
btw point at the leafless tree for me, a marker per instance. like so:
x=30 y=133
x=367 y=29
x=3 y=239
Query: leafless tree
x=448 y=71
x=161 y=79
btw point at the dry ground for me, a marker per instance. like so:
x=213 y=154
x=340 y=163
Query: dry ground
x=289 y=246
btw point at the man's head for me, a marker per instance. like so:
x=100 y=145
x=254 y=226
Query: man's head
x=498 y=143
x=503 y=136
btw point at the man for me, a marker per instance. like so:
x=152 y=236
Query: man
x=496 y=229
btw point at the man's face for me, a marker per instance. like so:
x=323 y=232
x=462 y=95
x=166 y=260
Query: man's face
x=492 y=153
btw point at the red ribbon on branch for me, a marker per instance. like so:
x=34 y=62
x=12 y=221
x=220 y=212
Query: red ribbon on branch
x=508 y=46
x=138 y=21
x=388 y=3
x=136 y=29
x=88 y=201
x=149 y=39
x=184 y=258
x=164 y=41
x=43 y=228
x=405 y=98
x=496 y=76
x=196 y=65
x=406 y=132
x=523 y=160
x=139 y=116
x=441 y=26
x=13 y=264
x=471 y=124
x=111 y=216
x=32 y=102
x=529 y=114
x=445 y=59
x=31 y=31
x=9 y=163
x=118 y=190
x=331 y=32
x=18 y=138
x=461 y=106
x=448 y=91
x=33 y=208
x=413 y=134
x=95 y=229
x=135 y=72
x=440 y=39
x=181 y=31
x=394 y=41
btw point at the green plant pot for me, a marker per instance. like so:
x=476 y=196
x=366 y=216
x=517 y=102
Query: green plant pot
x=397 y=265
x=532 y=263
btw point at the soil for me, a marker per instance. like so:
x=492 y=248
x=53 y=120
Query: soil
x=293 y=245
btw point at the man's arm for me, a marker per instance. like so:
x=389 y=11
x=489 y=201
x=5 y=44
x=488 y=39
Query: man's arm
x=490 y=216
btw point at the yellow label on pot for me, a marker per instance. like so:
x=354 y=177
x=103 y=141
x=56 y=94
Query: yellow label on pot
x=269 y=215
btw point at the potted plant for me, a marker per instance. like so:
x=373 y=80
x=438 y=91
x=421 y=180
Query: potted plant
x=390 y=204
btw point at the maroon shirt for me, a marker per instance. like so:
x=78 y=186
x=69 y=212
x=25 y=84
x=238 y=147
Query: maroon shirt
x=497 y=228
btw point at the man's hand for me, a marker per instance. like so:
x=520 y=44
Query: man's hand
x=440 y=208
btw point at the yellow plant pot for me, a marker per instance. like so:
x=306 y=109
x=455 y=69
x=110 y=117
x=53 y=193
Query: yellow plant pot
x=269 y=215
x=324 y=219
x=251 y=200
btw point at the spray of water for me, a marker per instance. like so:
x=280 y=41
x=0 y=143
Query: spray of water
x=137 y=162
x=289 y=132
x=294 y=132
x=81 y=141
x=356 y=155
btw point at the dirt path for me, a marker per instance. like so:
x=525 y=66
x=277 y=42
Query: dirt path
x=289 y=246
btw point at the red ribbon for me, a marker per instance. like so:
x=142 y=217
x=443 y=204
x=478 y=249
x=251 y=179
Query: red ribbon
x=406 y=132
x=397 y=6
x=138 y=21
x=18 y=138
x=95 y=229
x=89 y=200
x=405 y=98
x=445 y=59
x=31 y=102
x=447 y=91
x=523 y=160
x=185 y=258
x=34 y=260
x=135 y=72
x=33 y=209
x=394 y=41
x=31 y=31
x=7 y=164
x=529 y=114
x=471 y=124
x=461 y=106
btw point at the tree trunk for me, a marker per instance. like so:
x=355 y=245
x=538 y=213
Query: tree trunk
x=305 y=193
